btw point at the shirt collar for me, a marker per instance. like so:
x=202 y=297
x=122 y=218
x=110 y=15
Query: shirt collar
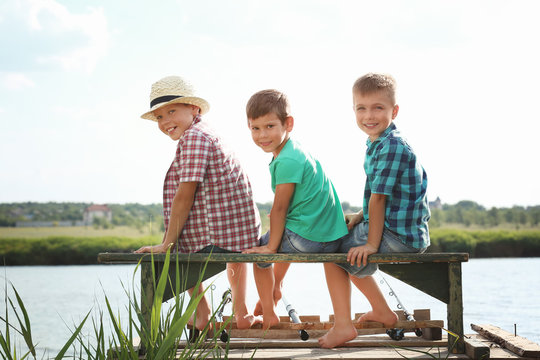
x=383 y=135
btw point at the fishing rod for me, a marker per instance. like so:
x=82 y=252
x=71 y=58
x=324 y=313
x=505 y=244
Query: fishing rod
x=398 y=334
x=294 y=318
x=225 y=299
x=224 y=336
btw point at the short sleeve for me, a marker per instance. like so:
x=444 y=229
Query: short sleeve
x=387 y=168
x=288 y=171
x=195 y=152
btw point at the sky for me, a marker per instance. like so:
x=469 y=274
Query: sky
x=75 y=78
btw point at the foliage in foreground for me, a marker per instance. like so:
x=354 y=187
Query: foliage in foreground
x=159 y=337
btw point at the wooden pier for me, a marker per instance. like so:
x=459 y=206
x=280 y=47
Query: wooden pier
x=282 y=342
x=436 y=274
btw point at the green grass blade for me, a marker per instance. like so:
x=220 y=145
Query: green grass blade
x=72 y=339
x=26 y=330
x=160 y=290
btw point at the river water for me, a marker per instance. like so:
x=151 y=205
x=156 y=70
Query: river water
x=503 y=292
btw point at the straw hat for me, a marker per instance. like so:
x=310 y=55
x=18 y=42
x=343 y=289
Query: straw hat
x=173 y=90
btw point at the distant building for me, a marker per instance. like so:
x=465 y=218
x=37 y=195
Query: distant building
x=437 y=204
x=95 y=211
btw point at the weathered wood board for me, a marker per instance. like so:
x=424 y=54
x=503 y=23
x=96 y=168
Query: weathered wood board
x=517 y=344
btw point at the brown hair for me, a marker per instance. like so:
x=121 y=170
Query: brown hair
x=373 y=82
x=268 y=101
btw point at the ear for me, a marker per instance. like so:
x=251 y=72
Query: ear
x=195 y=110
x=395 y=111
x=289 y=123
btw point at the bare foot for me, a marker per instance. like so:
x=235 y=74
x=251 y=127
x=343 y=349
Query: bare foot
x=387 y=318
x=258 y=309
x=277 y=296
x=337 y=336
x=200 y=323
x=270 y=320
x=247 y=321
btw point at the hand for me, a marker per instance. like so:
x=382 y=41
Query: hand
x=360 y=254
x=156 y=249
x=259 y=250
x=352 y=219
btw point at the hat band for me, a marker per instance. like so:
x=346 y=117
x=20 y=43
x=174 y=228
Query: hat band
x=163 y=99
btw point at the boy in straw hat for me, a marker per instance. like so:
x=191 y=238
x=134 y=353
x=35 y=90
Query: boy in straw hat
x=207 y=199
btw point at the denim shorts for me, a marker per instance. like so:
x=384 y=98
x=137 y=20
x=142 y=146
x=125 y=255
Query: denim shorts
x=390 y=243
x=294 y=243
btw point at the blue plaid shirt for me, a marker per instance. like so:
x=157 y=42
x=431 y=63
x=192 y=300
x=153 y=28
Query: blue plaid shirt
x=392 y=169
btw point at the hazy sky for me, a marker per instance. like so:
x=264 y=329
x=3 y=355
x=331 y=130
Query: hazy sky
x=75 y=77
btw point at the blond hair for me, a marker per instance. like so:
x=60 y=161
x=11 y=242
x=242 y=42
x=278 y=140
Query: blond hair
x=374 y=82
x=268 y=101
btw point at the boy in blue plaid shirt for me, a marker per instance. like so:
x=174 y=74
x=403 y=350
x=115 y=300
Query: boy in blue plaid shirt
x=395 y=210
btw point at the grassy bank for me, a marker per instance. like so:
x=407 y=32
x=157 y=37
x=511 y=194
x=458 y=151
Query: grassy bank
x=60 y=250
x=69 y=250
x=487 y=243
x=77 y=231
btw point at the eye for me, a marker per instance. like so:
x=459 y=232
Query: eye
x=171 y=111
x=270 y=126
x=159 y=117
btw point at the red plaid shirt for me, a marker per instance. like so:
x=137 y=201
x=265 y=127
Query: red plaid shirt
x=224 y=212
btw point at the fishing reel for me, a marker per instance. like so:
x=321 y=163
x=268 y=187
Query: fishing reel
x=396 y=334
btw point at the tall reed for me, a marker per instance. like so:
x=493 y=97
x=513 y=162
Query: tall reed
x=130 y=338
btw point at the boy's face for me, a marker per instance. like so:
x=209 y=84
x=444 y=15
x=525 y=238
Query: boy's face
x=269 y=133
x=174 y=119
x=374 y=113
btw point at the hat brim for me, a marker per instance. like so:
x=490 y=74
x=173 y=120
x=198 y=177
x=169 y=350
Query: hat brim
x=192 y=100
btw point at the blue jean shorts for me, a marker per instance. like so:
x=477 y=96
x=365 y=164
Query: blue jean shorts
x=390 y=243
x=293 y=243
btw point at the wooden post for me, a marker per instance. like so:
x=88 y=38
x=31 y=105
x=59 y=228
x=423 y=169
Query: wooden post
x=455 y=308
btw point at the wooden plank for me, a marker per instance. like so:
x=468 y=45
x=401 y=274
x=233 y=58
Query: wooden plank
x=349 y=353
x=361 y=342
x=422 y=314
x=432 y=333
x=318 y=325
x=309 y=318
x=271 y=334
x=516 y=344
x=114 y=258
x=371 y=325
x=476 y=350
x=454 y=309
x=430 y=277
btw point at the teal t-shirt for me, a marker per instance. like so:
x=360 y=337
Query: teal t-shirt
x=315 y=211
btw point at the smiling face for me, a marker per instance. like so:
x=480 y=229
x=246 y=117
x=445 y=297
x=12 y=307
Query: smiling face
x=174 y=119
x=269 y=133
x=374 y=112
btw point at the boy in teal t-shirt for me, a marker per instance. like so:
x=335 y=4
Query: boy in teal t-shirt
x=306 y=215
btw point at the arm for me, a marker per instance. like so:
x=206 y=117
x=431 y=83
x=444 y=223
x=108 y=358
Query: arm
x=278 y=218
x=181 y=206
x=360 y=254
x=352 y=219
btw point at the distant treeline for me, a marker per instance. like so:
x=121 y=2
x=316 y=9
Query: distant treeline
x=466 y=213
x=56 y=250
x=469 y=213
